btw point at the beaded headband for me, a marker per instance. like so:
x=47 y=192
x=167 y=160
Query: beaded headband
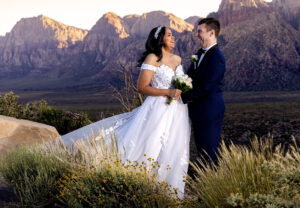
x=157 y=32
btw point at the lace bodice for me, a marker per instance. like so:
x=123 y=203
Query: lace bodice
x=163 y=76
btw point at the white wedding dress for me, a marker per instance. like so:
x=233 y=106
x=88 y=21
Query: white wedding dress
x=155 y=129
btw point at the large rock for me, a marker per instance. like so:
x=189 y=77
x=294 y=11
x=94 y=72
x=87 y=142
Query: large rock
x=15 y=132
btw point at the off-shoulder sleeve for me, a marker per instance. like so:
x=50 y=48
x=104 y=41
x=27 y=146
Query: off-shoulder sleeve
x=149 y=67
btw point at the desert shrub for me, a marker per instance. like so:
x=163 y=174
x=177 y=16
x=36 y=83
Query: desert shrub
x=101 y=179
x=42 y=112
x=114 y=186
x=87 y=174
x=63 y=121
x=31 y=174
x=9 y=106
x=249 y=177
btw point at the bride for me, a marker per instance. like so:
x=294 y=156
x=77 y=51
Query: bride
x=154 y=130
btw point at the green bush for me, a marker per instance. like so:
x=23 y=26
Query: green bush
x=100 y=179
x=31 y=174
x=9 y=106
x=63 y=121
x=87 y=174
x=110 y=188
x=91 y=174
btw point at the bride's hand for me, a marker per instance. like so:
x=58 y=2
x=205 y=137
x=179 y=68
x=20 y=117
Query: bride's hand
x=175 y=93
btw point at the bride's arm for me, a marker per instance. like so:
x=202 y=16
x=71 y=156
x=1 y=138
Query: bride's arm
x=145 y=78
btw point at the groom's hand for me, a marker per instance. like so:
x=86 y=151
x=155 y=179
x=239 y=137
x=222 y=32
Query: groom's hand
x=177 y=97
x=177 y=94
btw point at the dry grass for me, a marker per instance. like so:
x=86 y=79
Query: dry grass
x=249 y=177
x=93 y=173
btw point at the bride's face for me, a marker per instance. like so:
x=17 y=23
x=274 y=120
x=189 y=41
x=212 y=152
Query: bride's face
x=169 y=39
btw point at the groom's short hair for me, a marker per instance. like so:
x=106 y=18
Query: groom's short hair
x=211 y=24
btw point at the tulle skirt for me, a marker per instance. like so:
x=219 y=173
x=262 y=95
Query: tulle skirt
x=153 y=130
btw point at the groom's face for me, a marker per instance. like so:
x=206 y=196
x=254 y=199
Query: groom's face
x=202 y=34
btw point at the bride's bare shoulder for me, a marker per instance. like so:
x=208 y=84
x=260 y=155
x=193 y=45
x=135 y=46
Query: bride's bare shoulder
x=177 y=59
x=151 y=59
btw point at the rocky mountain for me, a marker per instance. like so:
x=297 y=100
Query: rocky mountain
x=111 y=35
x=106 y=37
x=234 y=11
x=260 y=45
x=193 y=19
x=141 y=25
x=129 y=46
x=37 y=43
x=41 y=42
x=236 y=5
x=290 y=10
x=110 y=25
x=1 y=44
x=261 y=48
x=262 y=53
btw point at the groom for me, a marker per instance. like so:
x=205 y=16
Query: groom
x=205 y=100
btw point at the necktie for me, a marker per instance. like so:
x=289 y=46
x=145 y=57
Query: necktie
x=201 y=51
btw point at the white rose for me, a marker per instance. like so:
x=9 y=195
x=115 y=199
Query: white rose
x=194 y=58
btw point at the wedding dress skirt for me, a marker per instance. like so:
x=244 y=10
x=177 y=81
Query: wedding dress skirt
x=154 y=130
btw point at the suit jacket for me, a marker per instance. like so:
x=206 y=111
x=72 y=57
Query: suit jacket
x=205 y=100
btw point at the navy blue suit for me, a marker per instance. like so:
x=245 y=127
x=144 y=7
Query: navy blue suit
x=205 y=102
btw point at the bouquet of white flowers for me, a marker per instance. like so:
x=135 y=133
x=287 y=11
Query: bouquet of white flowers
x=181 y=82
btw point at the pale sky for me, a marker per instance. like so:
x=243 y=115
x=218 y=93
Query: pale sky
x=85 y=13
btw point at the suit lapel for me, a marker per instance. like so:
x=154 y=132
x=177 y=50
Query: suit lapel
x=207 y=54
x=192 y=72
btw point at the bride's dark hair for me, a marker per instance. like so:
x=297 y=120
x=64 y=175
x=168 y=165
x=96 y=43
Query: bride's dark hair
x=154 y=44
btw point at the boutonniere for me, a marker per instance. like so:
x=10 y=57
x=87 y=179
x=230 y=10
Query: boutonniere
x=194 y=60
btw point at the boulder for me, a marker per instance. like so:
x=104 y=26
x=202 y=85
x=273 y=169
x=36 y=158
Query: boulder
x=15 y=132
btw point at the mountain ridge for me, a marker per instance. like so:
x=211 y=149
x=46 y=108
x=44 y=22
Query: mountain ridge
x=257 y=53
